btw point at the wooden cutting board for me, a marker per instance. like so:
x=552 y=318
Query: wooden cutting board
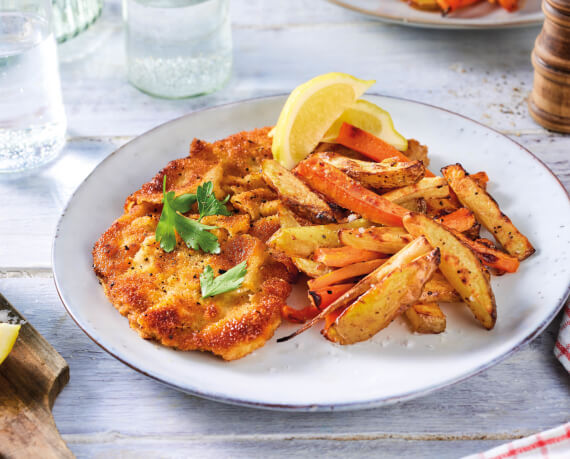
x=31 y=377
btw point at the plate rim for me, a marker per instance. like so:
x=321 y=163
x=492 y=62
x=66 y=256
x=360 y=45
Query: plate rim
x=427 y=24
x=320 y=407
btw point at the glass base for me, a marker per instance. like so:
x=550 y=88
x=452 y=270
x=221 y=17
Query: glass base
x=25 y=149
x=179 y=78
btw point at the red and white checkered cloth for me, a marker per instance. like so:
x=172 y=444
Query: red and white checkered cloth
x=552 y=444
x=562 y=346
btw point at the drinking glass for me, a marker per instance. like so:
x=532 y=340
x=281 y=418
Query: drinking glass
x=178 y=48
x=72 y=16
x=32 y=118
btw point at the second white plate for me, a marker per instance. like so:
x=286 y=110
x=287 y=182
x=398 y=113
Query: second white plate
x=480 y=16
x=309 y=372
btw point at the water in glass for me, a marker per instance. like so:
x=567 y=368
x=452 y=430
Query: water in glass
x=178 y=48
x=32 y=118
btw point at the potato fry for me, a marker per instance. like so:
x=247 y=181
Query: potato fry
x=426 y=318
x=387 y=174
x=374 y=310
x=487 y=212
x=310 y=267
x=302 y=241
x=413 y=250
x=415 y=205
x=295 y=194
x=427 y=188
x=384 y=239
x=439 y=290
x=460 y=266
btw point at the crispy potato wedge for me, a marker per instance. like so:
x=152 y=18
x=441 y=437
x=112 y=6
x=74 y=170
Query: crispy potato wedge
x=380 y=305
x=287 y=218
x=384 y=239
x=427 y=188
x=487 y=212
x=302 y=241
x=413 y=250
x=348 y=193
x=310 y=267
x=460 y=266
x=415 y=205
x=389 y=173
x=439 y=290
x=295 y=194
x=426 y=318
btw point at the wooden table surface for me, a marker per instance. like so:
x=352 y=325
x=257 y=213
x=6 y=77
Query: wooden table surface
x=109 y=410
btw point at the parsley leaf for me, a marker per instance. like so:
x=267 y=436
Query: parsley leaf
x=226 y=282
x=194 y=233
x=207 y=202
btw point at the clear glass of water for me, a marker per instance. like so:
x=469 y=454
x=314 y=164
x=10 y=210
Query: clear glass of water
x=32 y=117
x=72 y=16
x=178 y=48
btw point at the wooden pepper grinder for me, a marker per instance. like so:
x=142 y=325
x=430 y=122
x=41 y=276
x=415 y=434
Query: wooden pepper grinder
x=549 y=102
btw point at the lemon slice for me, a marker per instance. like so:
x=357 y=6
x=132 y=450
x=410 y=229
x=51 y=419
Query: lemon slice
x=310 y=111
x=8 y=335
x=371 y=118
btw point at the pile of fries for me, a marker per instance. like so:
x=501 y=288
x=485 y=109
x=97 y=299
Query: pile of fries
x=379 y=235
x=449 y=6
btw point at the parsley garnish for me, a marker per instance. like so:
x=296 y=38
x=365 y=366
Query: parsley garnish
x=207 y=202
x=194 y=233
x=226 y=282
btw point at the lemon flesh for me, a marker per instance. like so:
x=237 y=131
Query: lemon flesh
x=8 y=335
x=310 y=111
x=370 y=118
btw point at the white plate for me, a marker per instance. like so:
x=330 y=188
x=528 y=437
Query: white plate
x=480 y=16
x=309 y=372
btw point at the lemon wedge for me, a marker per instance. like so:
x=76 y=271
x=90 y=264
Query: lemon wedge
x=310 y=111
x=8 y=335
x=371 y=118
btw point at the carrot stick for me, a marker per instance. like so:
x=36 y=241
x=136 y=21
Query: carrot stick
x=298 y=316
x=481 y=178
x=489 y=255
x=331 y=317
x=369 y=145
x=322 y=297
x=449 y=6
x=344 y=256
x=348 y=193
x=342 y=274
x=509 y=5
x=461 y=220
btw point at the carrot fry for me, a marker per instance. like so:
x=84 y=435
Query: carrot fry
x=298 y=316
x=461 y=220
x=509 y=5
x=449 y=6
x=331 y=317
x=489 y=255
x=348 y=272
x=348 y=193
x=481 y=178
x=344 y=256
x=322 y=297
x=369 y=145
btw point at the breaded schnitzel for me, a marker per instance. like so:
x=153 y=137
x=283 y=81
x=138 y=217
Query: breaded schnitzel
x=159 y=292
